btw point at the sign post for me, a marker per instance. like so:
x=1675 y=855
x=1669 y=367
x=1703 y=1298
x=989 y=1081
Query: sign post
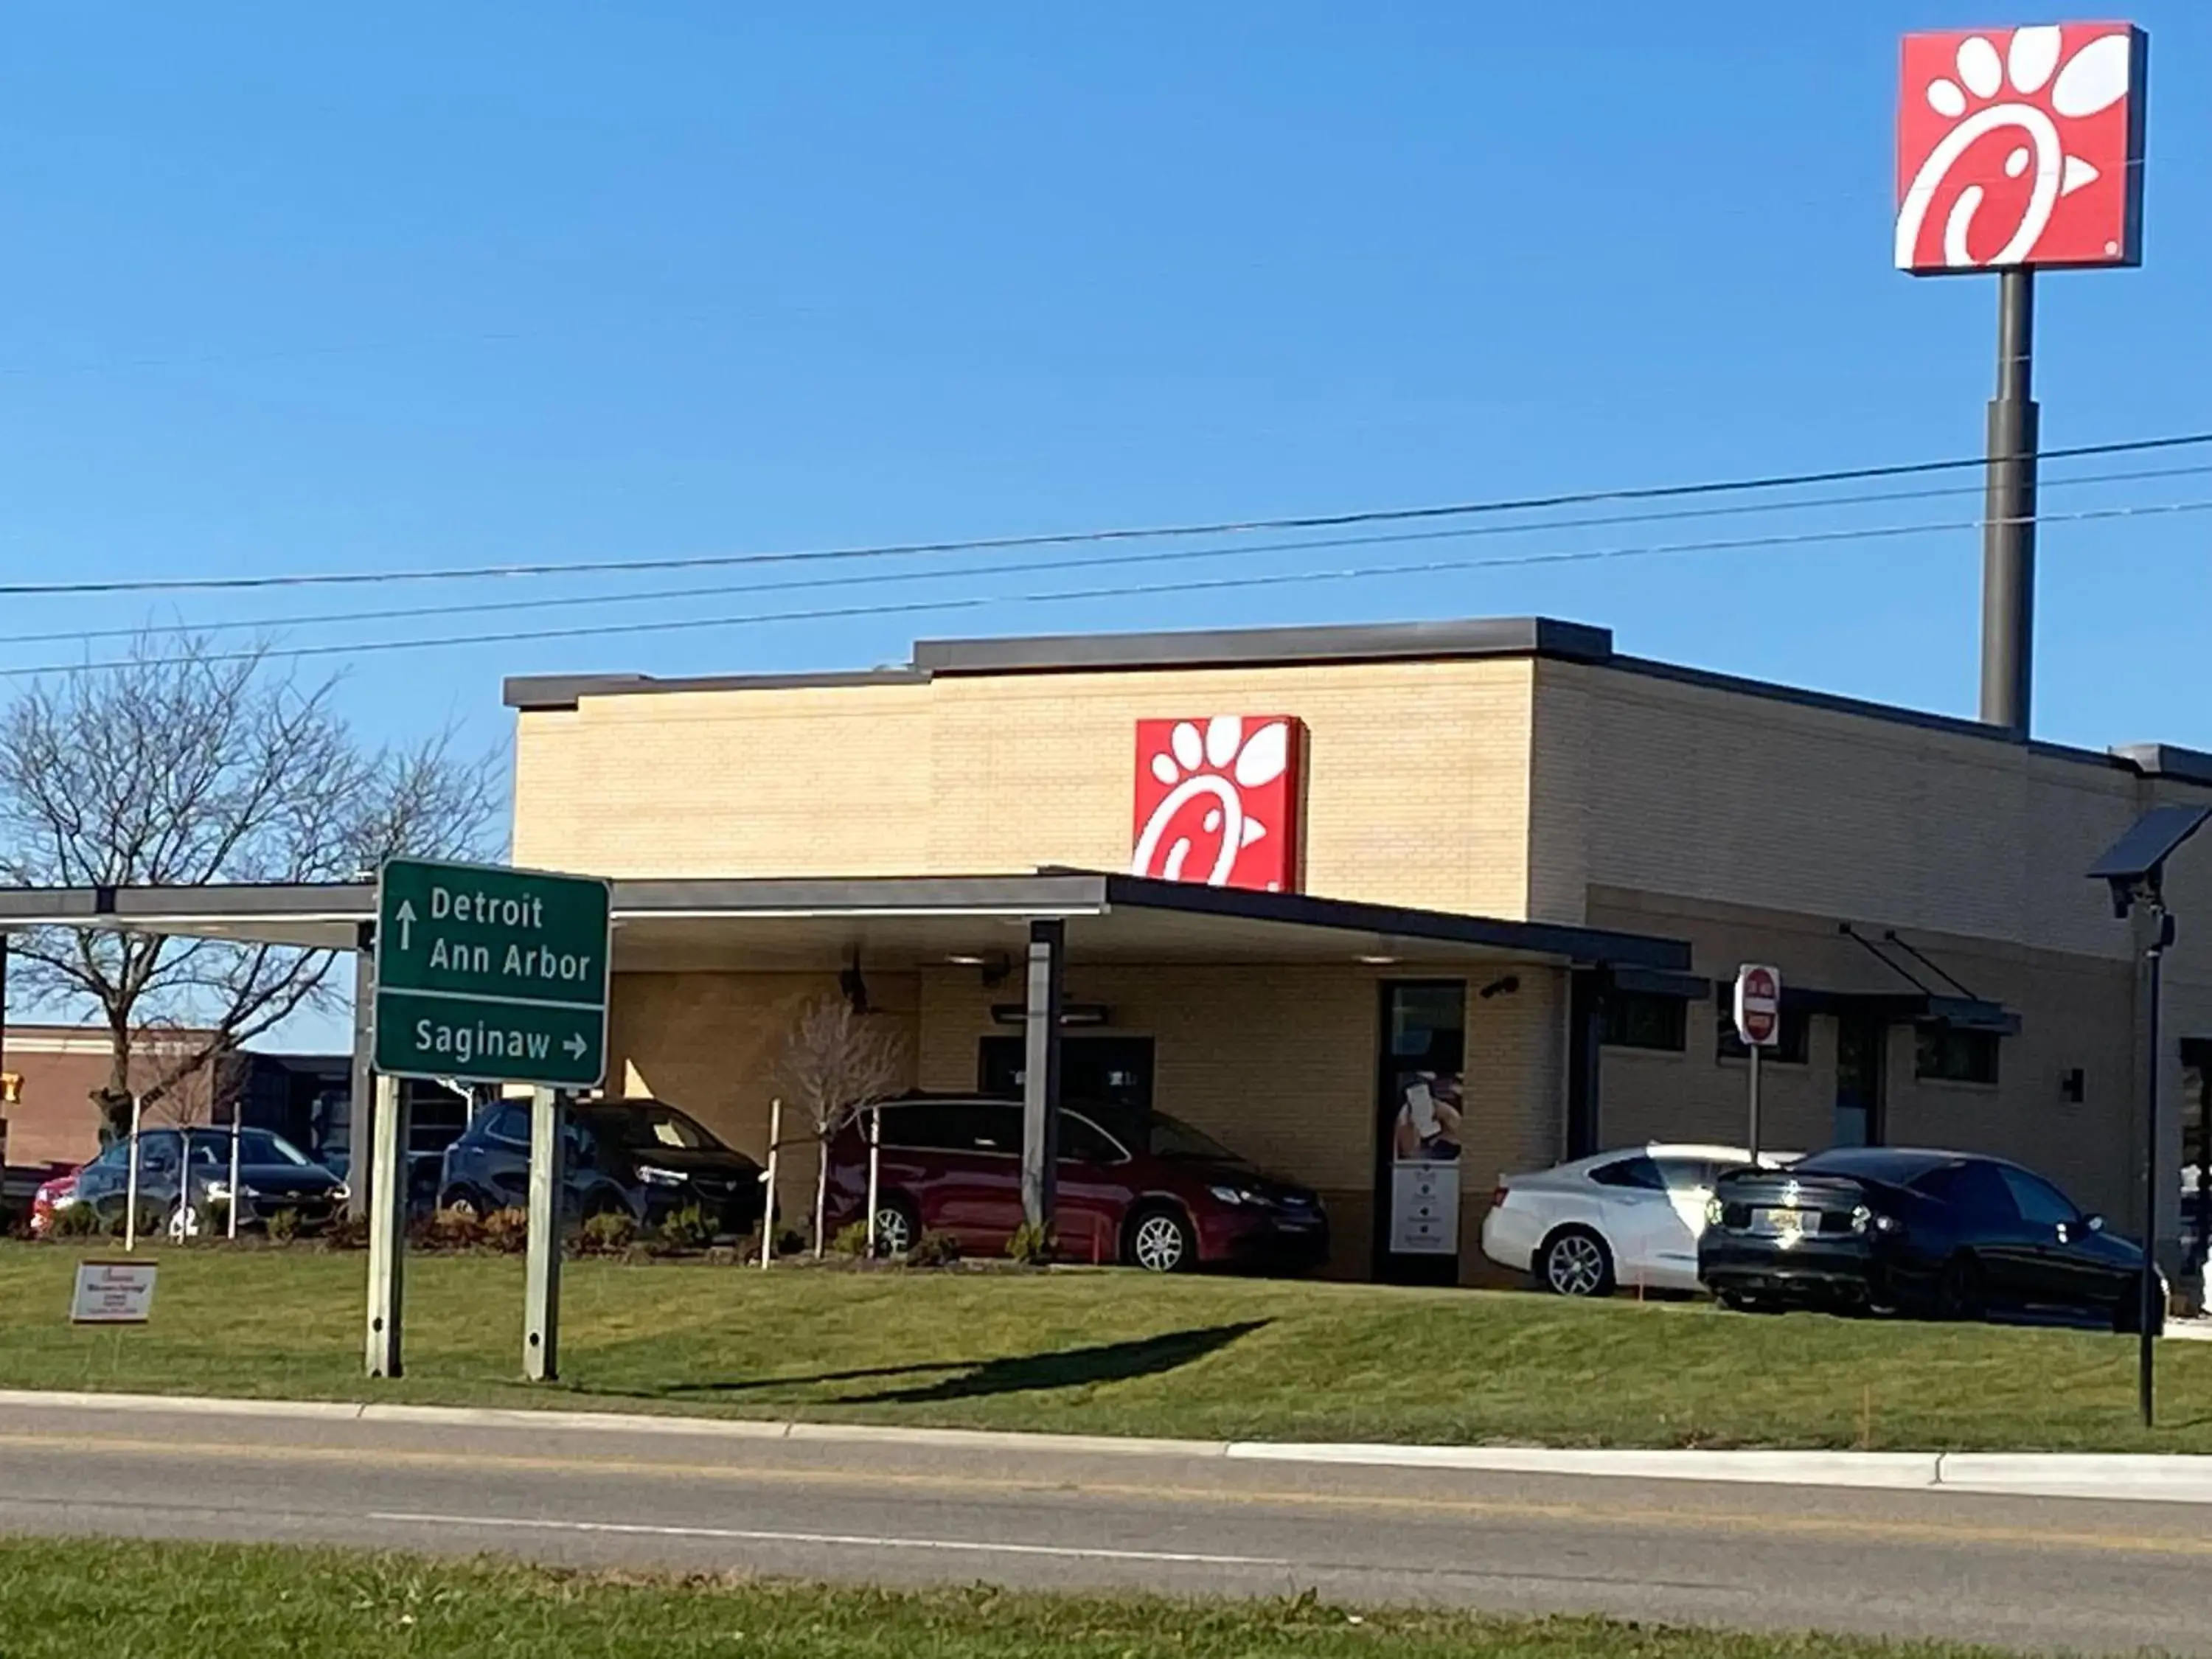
x=486 y=975
x=1758 y=1024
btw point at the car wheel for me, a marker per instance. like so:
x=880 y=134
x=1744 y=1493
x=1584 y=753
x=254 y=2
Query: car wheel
x=898 y=1226
x=186 y=1223
x=1161 y=1241
x=1959 y=1294
x=1576 y=1262
x=1740 y=1302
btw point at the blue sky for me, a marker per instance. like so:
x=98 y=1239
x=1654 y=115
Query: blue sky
x=326 y=289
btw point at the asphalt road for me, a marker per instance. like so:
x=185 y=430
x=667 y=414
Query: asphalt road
x=2028 y=1573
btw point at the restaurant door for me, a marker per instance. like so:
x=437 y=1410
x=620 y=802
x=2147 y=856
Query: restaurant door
x=1418 y=1100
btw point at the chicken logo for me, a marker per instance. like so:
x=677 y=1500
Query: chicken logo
x=1218 y=800
x=2021 y=148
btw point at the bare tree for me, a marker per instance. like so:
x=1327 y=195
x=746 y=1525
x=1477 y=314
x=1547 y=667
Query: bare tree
x=837 y=1063
x=187 y=764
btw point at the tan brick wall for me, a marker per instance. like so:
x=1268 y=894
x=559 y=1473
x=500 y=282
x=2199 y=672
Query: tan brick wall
x=1515 y=1095
x=1751 y=800
x=1418 y=782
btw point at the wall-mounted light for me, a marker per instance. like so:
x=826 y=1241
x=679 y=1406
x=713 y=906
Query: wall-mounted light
x=1500 y=988
x=2073 y=1086
x=1376 y=962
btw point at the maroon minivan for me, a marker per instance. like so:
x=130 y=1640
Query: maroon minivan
x=1139 y=1188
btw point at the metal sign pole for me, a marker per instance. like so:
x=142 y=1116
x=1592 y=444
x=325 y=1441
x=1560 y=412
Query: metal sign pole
x=131 y=1181
x=2161 y=936
x=1755 y=1052
x=768 y=1180
x=541 y=1316
x=387 y=1226
x=230 y=1229
x=875 y=1166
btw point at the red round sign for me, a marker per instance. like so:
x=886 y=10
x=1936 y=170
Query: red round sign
x=1758 y=1005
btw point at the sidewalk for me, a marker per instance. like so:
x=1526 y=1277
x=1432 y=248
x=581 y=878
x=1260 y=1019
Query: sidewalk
x=2126 y=1478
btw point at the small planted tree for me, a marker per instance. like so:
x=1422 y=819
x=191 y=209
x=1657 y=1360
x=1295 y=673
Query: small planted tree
x=837 y=1063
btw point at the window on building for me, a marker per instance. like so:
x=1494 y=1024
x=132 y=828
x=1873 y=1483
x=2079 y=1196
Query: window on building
x=1794 y=1048
x=1642 y=1019
x=1952 y=1053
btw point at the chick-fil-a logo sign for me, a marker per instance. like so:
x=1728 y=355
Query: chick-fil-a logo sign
x=2021 y=148
x=1218 y=800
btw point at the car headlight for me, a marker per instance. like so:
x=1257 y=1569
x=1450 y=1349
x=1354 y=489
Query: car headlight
x=1715 y=1212
x=1238 y=1196
x=653 y=1175
x=218 y=1189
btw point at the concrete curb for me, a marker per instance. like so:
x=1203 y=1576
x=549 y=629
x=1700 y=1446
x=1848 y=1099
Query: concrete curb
x=2145 y=1478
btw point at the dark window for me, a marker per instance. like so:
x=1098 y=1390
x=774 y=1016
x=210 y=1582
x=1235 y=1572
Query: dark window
x=1641 y=1020
x=953 y=1126
x=1113 y=1072
x=510 y=1124
x=1952 y=1053
x=1795 y=1049
x=644 y=1128
x=1974 y=1188
x=1085 y=1142
x=160 y=1151
x=1638 y=1172
x=2041 y=1204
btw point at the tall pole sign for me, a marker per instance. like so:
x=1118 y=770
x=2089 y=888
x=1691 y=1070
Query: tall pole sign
x=2018 y=150
x=1759 y=1025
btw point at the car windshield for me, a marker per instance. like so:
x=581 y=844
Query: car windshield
x=636 y=1128
x=256 y=1146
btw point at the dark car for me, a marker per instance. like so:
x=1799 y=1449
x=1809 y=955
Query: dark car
x=1946 y=1235
x=1140 y=1189
x=183 y=1173
x=635 y=1158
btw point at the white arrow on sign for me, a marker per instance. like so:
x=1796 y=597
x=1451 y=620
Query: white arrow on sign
x=404 y=916
x=575 y=1046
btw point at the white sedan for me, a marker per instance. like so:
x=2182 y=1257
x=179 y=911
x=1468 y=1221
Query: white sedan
x=1627 y=1219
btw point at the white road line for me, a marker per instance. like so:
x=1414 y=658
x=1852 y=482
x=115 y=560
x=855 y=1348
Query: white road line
x=861 y=1540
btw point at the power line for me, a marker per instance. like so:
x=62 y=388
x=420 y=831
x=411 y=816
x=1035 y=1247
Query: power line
x=1156 y=532
x=967 y=602
x=1178 y=555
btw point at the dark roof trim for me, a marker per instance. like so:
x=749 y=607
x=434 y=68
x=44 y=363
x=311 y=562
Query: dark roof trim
x=1455 y=637
x=333 y=910
x=1906 y=1008
x=2167 y=760
x=536 y=693
x=1584 y=945
x=1646 y=981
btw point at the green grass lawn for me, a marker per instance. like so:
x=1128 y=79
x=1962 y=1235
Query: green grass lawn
x=67 y=1600
x=1110 y=1352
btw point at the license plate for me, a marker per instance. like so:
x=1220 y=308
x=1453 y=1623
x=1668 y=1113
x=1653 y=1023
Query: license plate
x=1785 y=1223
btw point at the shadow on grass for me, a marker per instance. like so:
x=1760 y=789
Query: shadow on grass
x=1106 y=1362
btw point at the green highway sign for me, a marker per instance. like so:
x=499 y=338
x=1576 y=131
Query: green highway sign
x=487 y=975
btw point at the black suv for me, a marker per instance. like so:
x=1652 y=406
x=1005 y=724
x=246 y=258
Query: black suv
x=183 y=1174
x=635 y=1158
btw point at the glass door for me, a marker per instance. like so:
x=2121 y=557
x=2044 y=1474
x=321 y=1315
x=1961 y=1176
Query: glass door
x=1419 y=1099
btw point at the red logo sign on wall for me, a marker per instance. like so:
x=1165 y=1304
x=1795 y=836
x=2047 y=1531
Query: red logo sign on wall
x=2021 y=147
x=1218 y=800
